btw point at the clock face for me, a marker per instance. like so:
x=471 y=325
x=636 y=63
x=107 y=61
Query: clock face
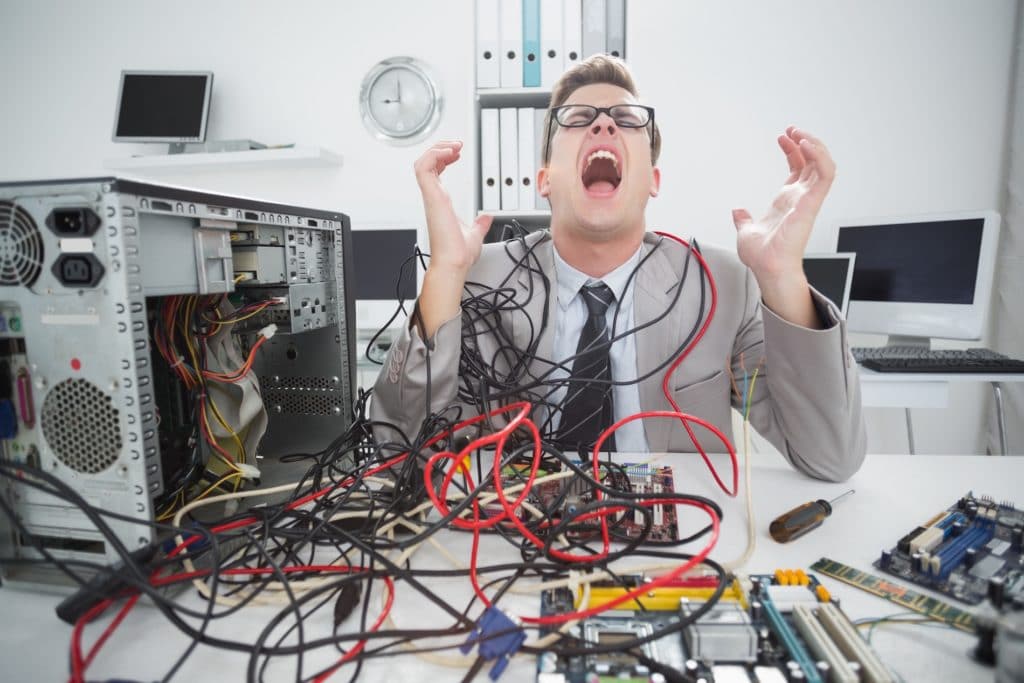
x=400 y=101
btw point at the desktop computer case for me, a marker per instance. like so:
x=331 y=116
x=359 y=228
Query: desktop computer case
x=80 y=261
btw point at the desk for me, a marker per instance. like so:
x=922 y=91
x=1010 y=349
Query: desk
x=893 y=494
x=928 y=390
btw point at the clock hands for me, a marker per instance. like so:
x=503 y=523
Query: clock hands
x=398 y=93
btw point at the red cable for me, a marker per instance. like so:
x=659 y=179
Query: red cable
x=686 y=419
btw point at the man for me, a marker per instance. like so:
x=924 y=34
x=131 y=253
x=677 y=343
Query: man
x=517 y=320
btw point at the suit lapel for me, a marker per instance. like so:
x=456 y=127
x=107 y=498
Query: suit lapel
x=655 y=288
x=527 y=324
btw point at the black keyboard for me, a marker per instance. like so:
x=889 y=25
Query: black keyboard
x=950 y=364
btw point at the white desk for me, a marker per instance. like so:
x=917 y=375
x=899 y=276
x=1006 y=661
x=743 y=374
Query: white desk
x=894 y=494
x=928 y=390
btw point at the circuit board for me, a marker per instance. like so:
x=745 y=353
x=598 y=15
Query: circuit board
x=565 y=497
x=970 y=551
x=785 y=627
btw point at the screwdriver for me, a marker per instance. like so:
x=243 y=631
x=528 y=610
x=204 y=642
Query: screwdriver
x=802 y=519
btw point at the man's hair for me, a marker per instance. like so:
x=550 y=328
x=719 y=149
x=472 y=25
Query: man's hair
x=594 y=69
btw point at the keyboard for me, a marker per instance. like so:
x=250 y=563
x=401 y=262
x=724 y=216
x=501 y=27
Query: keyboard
x=915 y=359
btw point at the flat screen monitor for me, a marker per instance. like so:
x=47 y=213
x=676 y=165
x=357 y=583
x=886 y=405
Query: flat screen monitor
x=922 y=276
x=163 y=106
x=386 y=272
x=832 y=275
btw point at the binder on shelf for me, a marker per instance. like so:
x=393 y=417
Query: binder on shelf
x=615 y=27
x=488 y=44
x=511 y=73
x=595 y=14
x=531 y=43
x=572 y=25
x=508 y=133
x=538 y=162
x=490 y=161
x=527 y=159
x=551 y=52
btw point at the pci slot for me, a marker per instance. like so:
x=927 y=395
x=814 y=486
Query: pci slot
x=821 y=645
x=845 y=636
x=789 y=640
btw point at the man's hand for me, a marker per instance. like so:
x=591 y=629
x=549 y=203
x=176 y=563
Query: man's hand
x=454 y=246
x=773 y=246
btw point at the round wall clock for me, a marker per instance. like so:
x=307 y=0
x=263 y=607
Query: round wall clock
x=400 y=101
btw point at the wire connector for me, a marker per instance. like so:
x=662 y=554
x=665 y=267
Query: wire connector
x=269 y=331
x=499 y=636
x=248 y=471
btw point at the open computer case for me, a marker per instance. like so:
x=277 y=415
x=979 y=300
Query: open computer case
x=87 y=268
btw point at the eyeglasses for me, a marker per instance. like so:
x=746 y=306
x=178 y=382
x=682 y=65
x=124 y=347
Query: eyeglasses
x=624 y=115
x=580 y=115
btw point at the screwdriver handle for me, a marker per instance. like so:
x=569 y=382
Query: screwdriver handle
x=799 y=520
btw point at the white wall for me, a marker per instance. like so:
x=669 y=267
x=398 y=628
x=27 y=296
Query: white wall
x=911 y=98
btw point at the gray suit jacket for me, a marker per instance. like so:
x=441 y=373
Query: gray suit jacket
x=806 y=399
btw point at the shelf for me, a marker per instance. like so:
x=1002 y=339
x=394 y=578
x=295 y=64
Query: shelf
x=530 y=220
x=513 y=97
x=284 y=157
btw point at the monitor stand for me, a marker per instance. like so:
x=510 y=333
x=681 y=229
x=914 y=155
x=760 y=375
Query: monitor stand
x=176 y=148
x=900 y=340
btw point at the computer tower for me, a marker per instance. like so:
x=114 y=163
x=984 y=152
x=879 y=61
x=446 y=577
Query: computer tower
x=87 y=270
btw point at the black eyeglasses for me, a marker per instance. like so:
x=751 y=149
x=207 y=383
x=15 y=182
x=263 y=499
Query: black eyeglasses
x=624 y=115
x=580 y=115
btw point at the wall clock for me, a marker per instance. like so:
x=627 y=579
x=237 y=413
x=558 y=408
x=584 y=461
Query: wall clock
x=400 y=101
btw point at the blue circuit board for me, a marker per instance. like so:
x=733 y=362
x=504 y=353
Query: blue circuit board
x=970 y=551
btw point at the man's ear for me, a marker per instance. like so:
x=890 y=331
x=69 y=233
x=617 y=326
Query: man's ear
x=543 y=182
x=655 y=181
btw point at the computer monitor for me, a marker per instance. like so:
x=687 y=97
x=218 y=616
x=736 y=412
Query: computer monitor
x=832 y=275
x=163 y=106
x=922 y=277
x=385 y=273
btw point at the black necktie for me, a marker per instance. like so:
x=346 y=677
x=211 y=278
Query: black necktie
x=587 y=409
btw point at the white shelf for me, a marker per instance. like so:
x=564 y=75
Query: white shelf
x=529 y=215
x=513 y=97
x=284 y=157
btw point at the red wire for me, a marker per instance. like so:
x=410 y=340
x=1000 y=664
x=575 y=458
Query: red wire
x=686 y=419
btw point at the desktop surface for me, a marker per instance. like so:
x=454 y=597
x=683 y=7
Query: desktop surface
x=893 y=494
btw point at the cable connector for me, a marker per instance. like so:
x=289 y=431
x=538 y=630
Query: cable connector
x=499 y=636
x=269 y=331
x=248 y=471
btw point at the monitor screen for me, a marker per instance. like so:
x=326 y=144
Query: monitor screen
x=163 y=106
x=385 y=272
x=831 y=275
x=926 y=276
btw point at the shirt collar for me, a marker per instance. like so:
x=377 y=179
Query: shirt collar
x=569 y=280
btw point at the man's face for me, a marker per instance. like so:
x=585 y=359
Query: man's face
x=591 y=194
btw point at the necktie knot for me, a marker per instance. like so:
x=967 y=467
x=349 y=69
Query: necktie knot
x=598 y=297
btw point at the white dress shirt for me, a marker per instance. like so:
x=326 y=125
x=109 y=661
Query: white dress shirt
x=572 y=315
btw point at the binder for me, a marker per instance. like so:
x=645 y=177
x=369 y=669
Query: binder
x=551 y=42
x=572 y=24
x=488 y=44
x=527 y=158
x=511 y=73
x=594 y=18
x=538 y=163
x=531 y=43
x=508 y=133
x=615 y=26
x=490 y=161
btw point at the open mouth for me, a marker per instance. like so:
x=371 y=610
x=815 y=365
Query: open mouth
x=601 y=173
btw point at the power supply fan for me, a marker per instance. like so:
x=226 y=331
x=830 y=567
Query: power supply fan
x=21 y=246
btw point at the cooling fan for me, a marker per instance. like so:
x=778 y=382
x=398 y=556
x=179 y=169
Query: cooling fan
x=21 y=246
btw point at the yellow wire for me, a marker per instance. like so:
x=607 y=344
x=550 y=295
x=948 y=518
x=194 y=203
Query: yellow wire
x=750 y=395
x=232 y=321
x=224 y=424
